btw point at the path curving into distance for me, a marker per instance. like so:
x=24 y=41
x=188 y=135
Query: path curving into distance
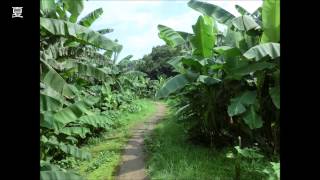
x=132 y=166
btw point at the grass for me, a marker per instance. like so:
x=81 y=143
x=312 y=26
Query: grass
x=170 y=156
x=106 y=150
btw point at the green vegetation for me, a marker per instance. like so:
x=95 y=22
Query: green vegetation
x=228 y=83
x=228 y=86
x=106 y=150
x=83 y=92
x=172 y=156
x=223 y=89
x=156 y=64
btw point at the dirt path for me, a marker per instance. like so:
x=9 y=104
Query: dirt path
x=132 y=166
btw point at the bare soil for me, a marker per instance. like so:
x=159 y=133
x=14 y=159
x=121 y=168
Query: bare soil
x=132 y=166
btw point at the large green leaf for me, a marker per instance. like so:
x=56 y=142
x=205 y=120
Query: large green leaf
x=252 y=119
x=271 y=21
x=53 y=80
x=186 y=36
x=49 y=103
x=176 y=63
x=221 y=15
x=241 y=10
x=172 y=85
x=204 y=37
x=171 y=37
x=75 y=7
x=235 y=109
x=208 y=80
x=59 y=175
x=47 y=121
x=97 y=121
x=72 y=131
x=232 y=66
x=91 y=17
x=236 y=39
x=245 y=23
x=258 y=52
x=76 y=110
x=47 y=6
x=251 y=68
x=227 y=51
x=192 y=63
x=238 y=103
x=81 y=33
x=74 y=151
x=90 y=71
x=275 y=96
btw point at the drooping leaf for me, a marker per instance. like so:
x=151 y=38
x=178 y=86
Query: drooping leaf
x=227 y=51
x=91 y=17
x=53 y=80
x=172 y=85
x=46 y=166
x=72 y=131
x=75 y=7
x=90 y=71
x=236 y=39
x=258 y=52
x=271 y=21
x=47 y=6
x=241 y=10
x=245 y=23
x=59 y=175
x=105 y=31
x=49 y=103
x=251 y=68
x=186 y=36
x=191 y=62
x=176 y=63
x=192 y=75
x=208 y=80
x=97 y=121
x=258 y=12
x=232 y=66
x=252 y=119
x=249 y=153
x=81 y=33
x=76 y=110
x=62 y=13
x=238 y=103
x=204 y=37
x=47 y=121
x=221 y=15
x=275 y=96
x=171 y=37
x=74 y=151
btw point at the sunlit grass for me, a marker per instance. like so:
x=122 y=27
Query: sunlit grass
x=171 y=156
x=106 y=151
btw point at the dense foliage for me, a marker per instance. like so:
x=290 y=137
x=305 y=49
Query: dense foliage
x=156 y=64
x=82 y=91
x=225 y=83
x=228 y=81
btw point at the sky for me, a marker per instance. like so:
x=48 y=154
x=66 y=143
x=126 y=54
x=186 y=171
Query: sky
x=135 y=21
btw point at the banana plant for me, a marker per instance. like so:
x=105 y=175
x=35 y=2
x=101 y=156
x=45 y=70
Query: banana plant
x=246 y=70
x=79 y=86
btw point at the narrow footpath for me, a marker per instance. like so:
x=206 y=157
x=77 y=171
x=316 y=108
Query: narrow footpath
x=132 y=165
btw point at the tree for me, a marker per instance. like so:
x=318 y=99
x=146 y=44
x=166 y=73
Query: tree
x=156 y=63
